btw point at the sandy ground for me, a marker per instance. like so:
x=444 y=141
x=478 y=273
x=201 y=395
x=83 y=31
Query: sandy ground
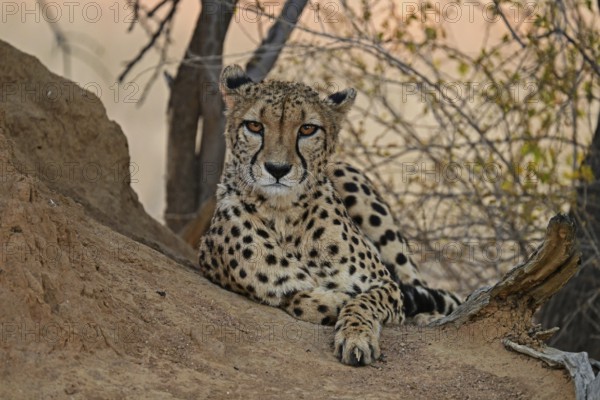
x=98 y=301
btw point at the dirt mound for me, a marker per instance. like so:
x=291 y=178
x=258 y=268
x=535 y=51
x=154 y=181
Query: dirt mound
x=62 y=137
x=97 y=300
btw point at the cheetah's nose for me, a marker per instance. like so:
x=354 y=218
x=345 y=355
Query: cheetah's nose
x=277 y=170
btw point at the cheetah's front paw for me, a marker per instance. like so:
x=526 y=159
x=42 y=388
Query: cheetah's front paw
x=356 y=343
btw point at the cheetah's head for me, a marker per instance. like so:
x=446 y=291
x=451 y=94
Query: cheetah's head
x=280 y=134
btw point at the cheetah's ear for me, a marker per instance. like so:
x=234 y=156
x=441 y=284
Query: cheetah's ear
x=232 y=79
x=341 y=101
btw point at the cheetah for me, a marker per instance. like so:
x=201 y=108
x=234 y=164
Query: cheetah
x=297 y=230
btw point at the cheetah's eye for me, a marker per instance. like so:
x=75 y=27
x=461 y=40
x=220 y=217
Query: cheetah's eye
x=254 y=127
x=308 y=129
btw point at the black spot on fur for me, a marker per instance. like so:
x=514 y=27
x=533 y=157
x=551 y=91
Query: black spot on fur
x=281 y=280
x=333 y=249
x=374 y=220
x=250 y=208
x=318 y=233
x=350 y=187
x=322 y=308
x=379 y=208
x=350 y=201
x=390 y=235
x=271 y=259
x=262 y=233
x=401 y=259
x=247 y=253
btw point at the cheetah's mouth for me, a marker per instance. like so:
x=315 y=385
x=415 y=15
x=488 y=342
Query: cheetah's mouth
x=276 y=189
x=277 y=184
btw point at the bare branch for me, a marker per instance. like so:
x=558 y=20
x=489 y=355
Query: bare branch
x=593 y=64
x=61 y=41
x=514 y=34
x=151 y=42
x=266 y=54
x=156 y=8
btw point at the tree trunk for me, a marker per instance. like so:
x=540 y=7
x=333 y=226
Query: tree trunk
x=266 y=55
x=194 y=95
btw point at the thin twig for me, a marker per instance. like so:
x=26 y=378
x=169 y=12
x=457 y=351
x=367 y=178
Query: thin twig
x=508 y=25
x=151 y=42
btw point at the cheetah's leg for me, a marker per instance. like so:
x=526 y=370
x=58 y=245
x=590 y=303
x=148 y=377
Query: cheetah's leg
x=359 y=323
x=319 y=306
x=374 y=218
x=358 y=320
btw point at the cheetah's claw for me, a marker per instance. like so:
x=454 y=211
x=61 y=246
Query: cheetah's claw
x=356 y=346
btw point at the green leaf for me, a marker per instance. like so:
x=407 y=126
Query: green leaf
x=430 y=33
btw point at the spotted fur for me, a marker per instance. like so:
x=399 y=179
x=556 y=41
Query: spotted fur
x=296 y=230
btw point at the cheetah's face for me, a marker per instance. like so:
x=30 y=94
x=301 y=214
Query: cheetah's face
x=281 y=134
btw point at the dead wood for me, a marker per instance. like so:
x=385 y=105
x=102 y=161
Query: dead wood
x=530 y=284
x=587 y=386
x=509 y=305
